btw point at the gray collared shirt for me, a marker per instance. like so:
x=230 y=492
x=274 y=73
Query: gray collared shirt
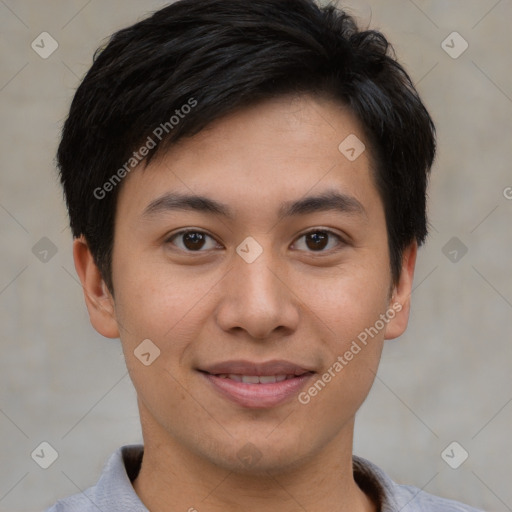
x=114 y=491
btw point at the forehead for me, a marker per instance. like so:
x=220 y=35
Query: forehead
x=302 y=126
x=270 y=152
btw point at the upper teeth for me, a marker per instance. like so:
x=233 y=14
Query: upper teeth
x=255 y=379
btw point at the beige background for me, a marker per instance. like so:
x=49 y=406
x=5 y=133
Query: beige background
x=447 y=379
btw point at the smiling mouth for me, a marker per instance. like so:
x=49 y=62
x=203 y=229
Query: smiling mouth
x=257 y=391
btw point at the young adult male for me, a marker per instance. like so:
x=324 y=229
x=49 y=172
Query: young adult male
x=246 y=185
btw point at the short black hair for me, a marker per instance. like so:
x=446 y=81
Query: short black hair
x=192 y=62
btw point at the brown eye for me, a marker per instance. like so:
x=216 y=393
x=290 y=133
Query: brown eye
x=192 y=241
x=319 y=240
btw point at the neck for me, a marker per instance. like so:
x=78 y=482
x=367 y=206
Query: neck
x=172 y=477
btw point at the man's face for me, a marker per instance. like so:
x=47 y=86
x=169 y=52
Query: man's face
x=268 y=282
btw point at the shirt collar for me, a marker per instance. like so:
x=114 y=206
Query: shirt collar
x=114 y=490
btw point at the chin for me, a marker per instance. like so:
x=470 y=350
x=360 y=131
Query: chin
x=256 y=455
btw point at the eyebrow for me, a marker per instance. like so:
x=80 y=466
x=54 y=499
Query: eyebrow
x=330 y=200
x=186 y=202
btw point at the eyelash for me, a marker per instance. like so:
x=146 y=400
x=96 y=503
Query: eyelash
x=317 y=230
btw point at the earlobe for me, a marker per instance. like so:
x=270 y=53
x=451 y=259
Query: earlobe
x=98 y=299
x=401 y=298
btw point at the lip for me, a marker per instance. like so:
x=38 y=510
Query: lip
x=257 y=396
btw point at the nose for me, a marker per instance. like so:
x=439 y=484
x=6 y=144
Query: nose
x=256 y=298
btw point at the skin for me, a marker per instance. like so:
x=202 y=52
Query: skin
x=293 y=302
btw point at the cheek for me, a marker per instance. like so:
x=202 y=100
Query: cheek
x=349 y=300
x=348 y=312
x=353 y=341
x=153 y=302
x=160 y=316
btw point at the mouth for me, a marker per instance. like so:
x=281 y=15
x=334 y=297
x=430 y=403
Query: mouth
x=257 y=385
x=255 y=379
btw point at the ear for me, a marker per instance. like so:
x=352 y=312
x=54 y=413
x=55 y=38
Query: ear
x=401 y=297
x=98 y=298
